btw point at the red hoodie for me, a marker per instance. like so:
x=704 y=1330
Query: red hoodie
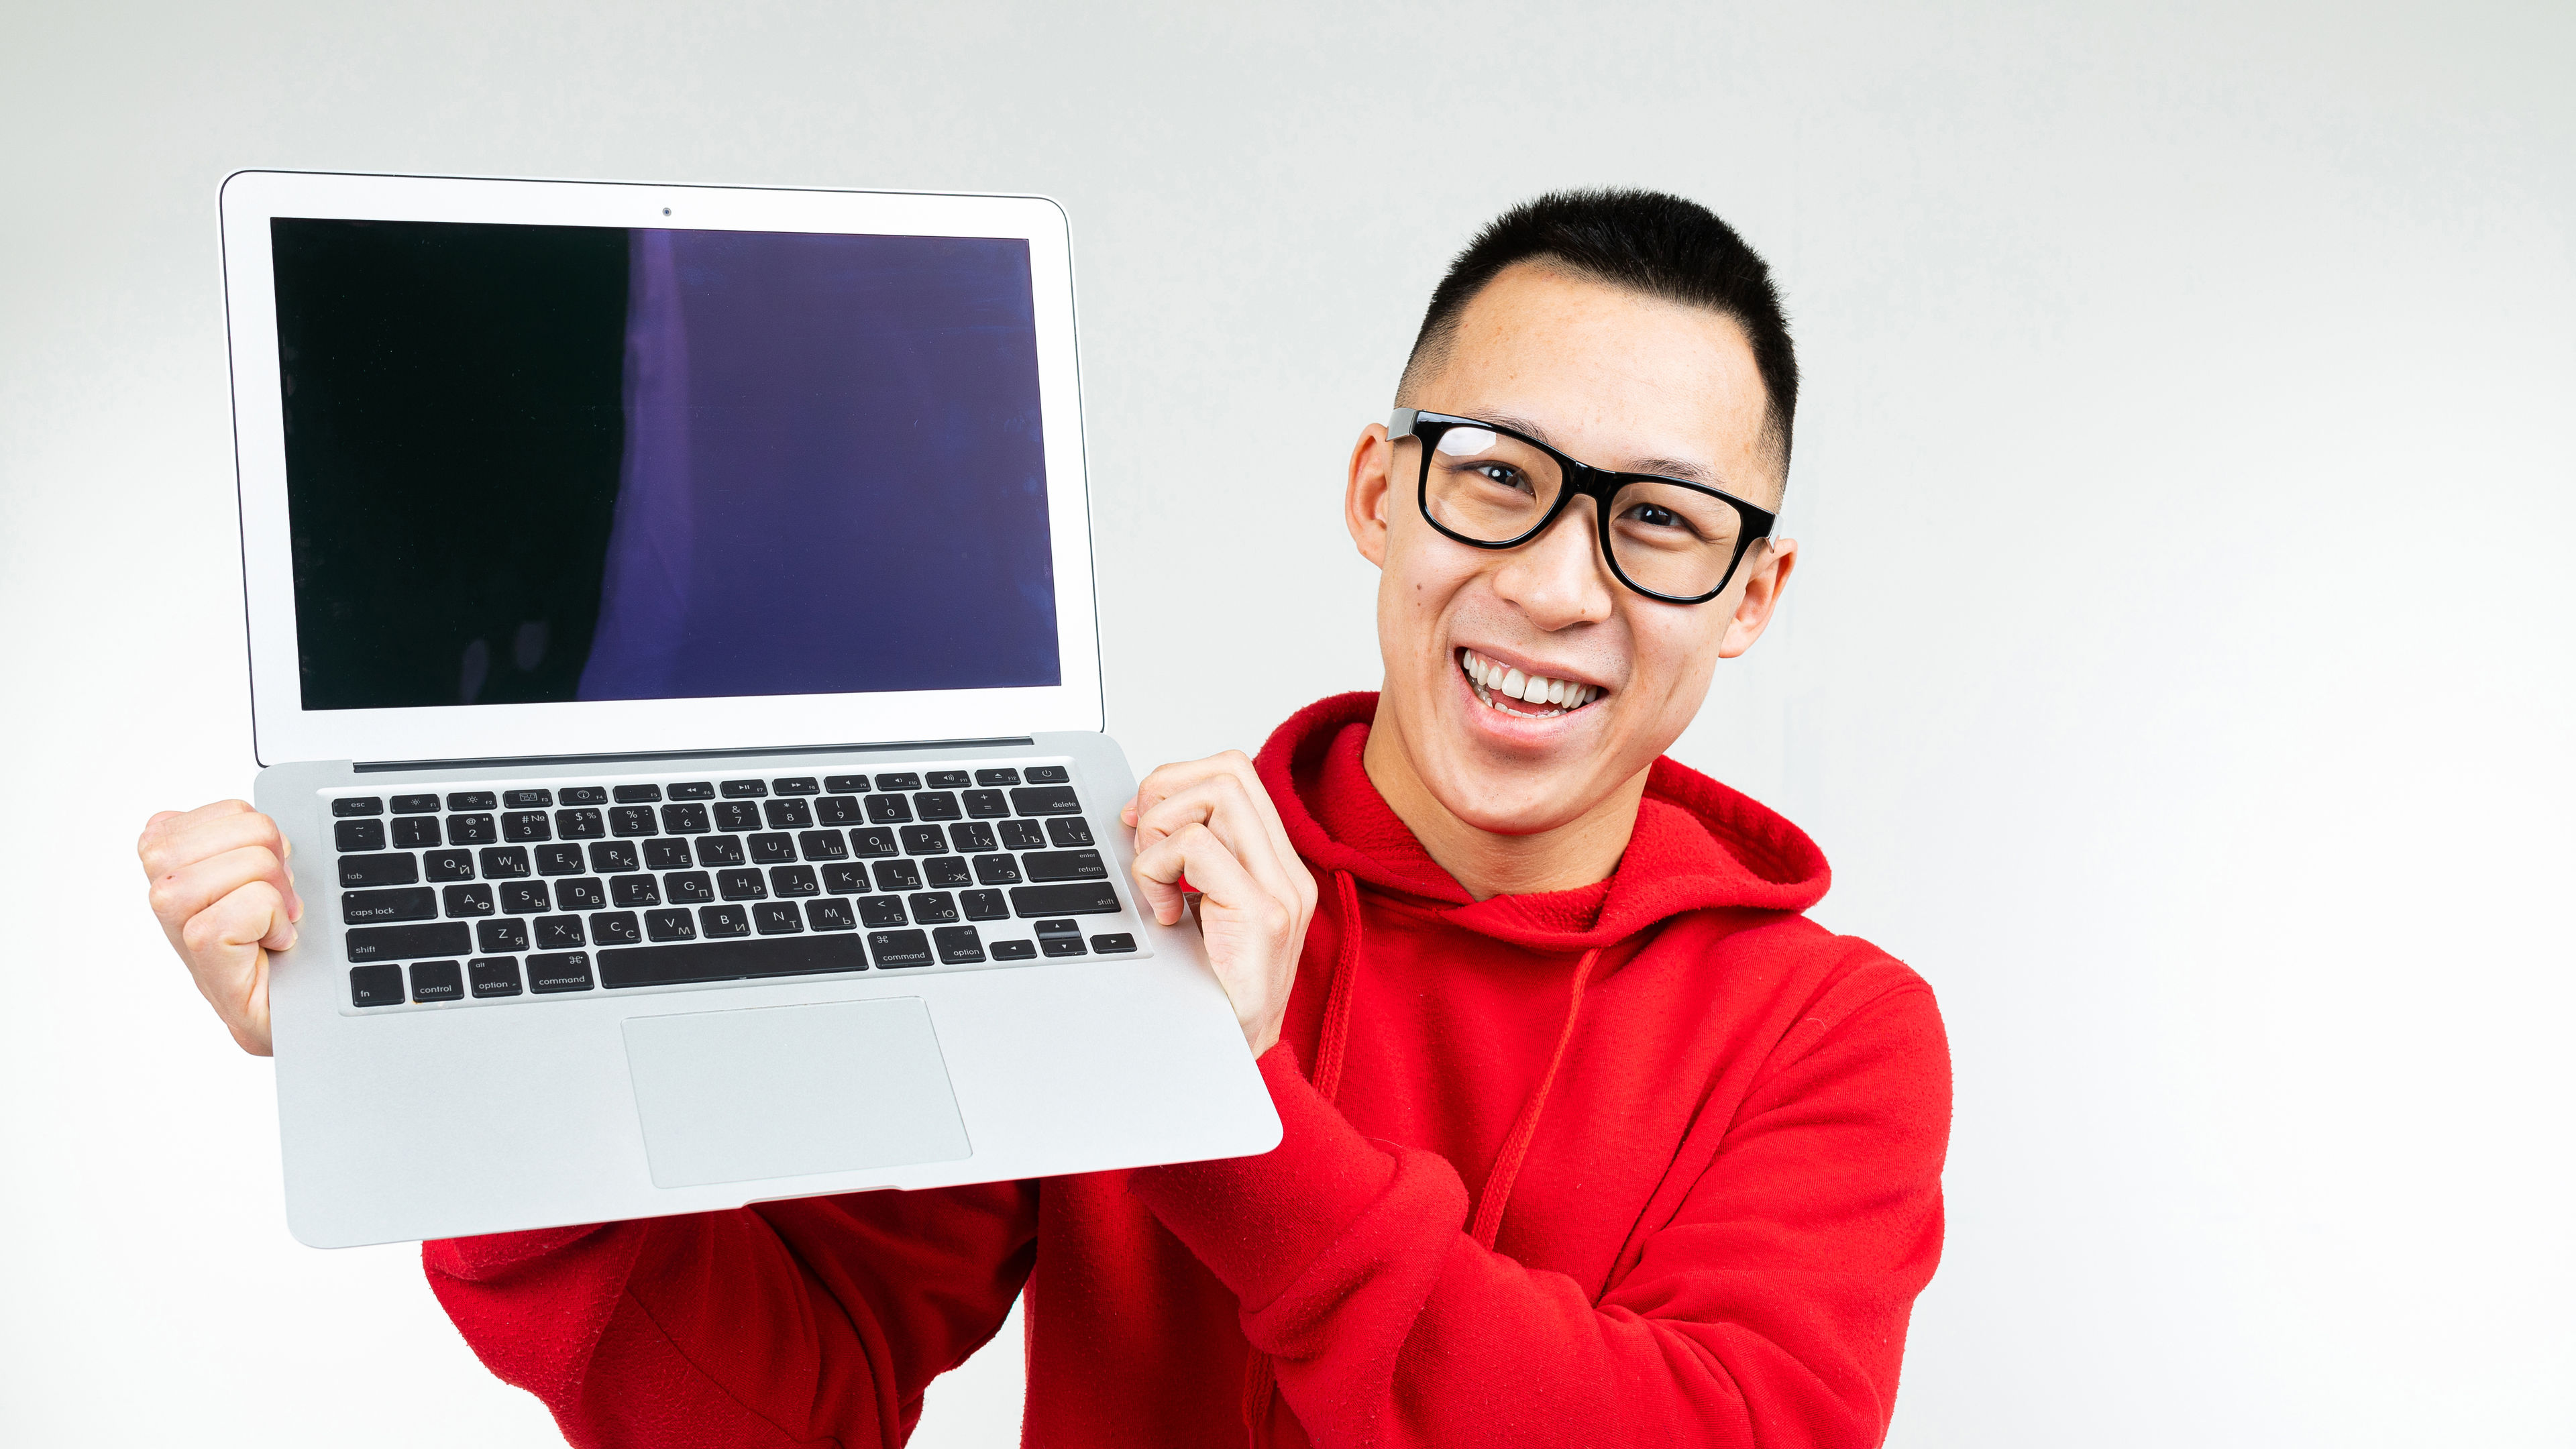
x=1656 y=1161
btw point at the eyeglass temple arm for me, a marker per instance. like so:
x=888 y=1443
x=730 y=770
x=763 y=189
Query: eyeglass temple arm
x=1400 y=424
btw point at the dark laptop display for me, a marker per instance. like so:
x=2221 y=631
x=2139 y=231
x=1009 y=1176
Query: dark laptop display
x=542 y=463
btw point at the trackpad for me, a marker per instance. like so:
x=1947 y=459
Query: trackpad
x=787 y=1091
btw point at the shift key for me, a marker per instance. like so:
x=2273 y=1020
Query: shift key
x=396 y=943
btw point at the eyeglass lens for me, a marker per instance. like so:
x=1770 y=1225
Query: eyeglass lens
x=1494 y=488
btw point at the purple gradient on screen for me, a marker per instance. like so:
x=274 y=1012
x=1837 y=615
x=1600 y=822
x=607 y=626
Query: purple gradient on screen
x=834 y=479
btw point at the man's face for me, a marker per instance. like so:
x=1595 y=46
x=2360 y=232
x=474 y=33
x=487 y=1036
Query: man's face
x=1617 y=380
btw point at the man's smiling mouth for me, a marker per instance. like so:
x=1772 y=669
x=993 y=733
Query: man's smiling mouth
x=1528 y=696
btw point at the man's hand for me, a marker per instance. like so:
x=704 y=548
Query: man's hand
x=1211 y=821
x=221 y=889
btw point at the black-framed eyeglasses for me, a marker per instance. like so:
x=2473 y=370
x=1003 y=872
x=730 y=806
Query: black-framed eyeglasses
x=1488 y=486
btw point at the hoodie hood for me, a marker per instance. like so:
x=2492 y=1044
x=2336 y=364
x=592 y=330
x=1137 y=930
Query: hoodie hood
x=1698 y=845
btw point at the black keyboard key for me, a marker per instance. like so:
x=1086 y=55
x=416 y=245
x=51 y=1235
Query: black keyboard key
x=504 y=937
x=937 y=805
x=899 y=782
x=1068 y=831
x=1053 y=865
x=525 y=898
x=985 y=906
x=1045 y=800
x=741 y=885
x=694 y=790
x=527 y=799
x=684 y=819
x=777 y=918
x=899 y=948
x=559 y=933
x=1088 y=899
x=616 y=928
x=472 y=800
x=889 y=809
x=930 y=908
x=666 y=855
x=745 y=789
x=997 y=870
x=585 y=894
x=630 y=821
x=794 y=880
x=714 y=921
x=948 y=780
x=608 y=857
x=795 y=785
x=947 y=870
x=525 y=826
x=897 y=875
x=355 y=835
x=348 y=805
x=472 y=830
x=770 y=848
x=847 y=879
x=846 y=784
x=958 y=945
x=1014 y=950
x=1022 y=835
x=636 y=794
x=580 y=824
x=1061 y=945
x=923 y=840
x=584 y=795
x=415 y=804
x=1047 y=775
x=378 y=870
x=719 y=850
x=1003 y=775
x=559 y=860
x=670 y=925
x=839 y=810
x=395 y=943
x=738 y=815
x=437 y=981
x=830 y=916
x=986 y=805
x=970 y=837
x=873 y=840
x=754 y=960
x=1113 y=943
x=468 y=900
x=635 y=890
x=882 y=911
x=822 y=845
x=504 y=862
x=376 y=986
x=1057 y=928
x=368 y=908
x=692 y=887
x=492 y=976
x=448 y=865
x=788 y=814
x=569 y=971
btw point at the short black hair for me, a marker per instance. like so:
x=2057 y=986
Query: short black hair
x=1647 y=241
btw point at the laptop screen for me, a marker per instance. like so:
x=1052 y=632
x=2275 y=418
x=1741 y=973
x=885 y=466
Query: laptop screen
x=538 y=464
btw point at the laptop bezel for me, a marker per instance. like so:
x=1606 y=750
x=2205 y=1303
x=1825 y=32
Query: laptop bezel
x=285 y=730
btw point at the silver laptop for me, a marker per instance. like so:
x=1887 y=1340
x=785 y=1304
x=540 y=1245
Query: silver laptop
x=673 y=660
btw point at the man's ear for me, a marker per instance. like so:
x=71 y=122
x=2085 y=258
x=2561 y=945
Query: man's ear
x=1766 y=575
x=1364 y=499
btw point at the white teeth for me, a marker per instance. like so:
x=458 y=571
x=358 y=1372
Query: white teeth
x=1556 y=691
x=1513 y=680
x=1492 y=679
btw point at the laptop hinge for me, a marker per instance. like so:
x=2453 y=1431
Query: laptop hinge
x=506 y=762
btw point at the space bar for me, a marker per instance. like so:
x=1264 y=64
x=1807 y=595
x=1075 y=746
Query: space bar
x=730 y=960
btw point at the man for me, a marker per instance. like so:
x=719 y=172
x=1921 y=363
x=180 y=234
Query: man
x=1590 y=1137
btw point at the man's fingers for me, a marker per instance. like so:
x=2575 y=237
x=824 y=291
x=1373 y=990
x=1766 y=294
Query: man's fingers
x=182 y=894
x=1223 y=805
x=223 y=946
x=1219 y=878
x=174 y=843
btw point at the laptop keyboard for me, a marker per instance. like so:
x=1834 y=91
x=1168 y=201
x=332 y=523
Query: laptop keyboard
x=485 y=894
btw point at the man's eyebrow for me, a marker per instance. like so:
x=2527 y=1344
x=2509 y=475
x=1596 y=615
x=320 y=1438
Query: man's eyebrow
x=1682 y=468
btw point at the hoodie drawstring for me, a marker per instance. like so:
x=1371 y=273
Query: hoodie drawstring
x=1260 y=1379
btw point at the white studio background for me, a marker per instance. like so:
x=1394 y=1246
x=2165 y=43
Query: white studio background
x=2178 y=677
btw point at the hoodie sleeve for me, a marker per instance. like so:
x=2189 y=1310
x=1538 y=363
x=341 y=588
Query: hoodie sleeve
x=1769 y=1308
x=819 y=1321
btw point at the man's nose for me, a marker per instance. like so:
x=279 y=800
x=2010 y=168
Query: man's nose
x=1559 y=577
